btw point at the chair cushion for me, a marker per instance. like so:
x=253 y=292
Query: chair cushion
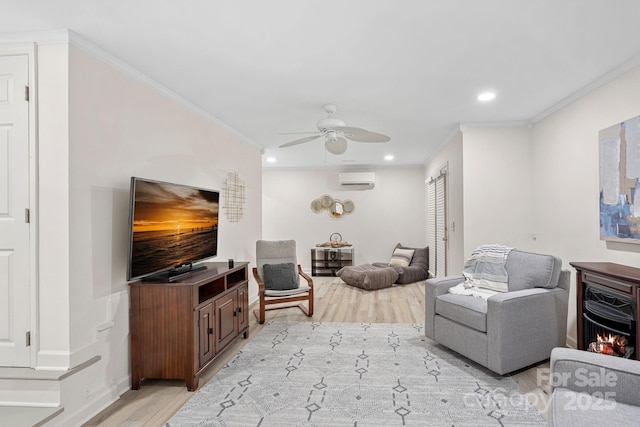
x=286 y=292
x=467 y=310
x=528 y=270
x=367 y=276
x=280 y=276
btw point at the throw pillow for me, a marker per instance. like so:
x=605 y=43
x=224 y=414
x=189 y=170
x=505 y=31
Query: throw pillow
x=280 y=277
x=401 y=257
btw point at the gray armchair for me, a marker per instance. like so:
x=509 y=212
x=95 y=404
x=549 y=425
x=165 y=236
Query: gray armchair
x=510 y=330
x=593 y=389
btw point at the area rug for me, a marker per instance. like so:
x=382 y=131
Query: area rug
x=351 y=374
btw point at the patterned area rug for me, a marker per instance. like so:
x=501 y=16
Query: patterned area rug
x=350 y=374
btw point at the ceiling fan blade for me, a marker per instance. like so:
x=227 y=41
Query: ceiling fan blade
x=349 y=130
x=369 y=137
x=298 y=133
x=300 y=141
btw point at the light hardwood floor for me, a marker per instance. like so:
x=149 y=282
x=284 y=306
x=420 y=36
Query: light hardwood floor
x=158 y=400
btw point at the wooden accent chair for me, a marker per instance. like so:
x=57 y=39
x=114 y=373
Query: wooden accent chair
x=280 y=256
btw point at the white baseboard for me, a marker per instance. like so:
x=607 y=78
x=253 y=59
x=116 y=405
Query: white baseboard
x=97 y=402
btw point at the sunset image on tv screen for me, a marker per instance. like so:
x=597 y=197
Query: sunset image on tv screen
x=172 y=225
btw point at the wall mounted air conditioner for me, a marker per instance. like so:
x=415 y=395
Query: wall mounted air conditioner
x=357 y=179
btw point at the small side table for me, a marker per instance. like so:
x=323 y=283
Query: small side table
x=326 y=261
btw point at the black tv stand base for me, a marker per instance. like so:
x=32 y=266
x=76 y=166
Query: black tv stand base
x=185 y=271
x=174 y=274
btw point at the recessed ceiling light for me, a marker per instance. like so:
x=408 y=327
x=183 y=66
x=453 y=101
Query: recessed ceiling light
x=388 y=157
x=486 y=96
x=271 y=159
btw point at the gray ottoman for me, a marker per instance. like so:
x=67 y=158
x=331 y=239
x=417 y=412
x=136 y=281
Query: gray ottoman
x=368 y=277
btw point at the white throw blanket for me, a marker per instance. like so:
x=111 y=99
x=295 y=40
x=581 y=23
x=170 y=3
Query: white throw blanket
x=484 y=272
x=467 y=289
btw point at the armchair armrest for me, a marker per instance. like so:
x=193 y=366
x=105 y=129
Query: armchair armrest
x=259 y=281
x=441 y=285
x=432 y=289
x=539 y=313
x=600 y=375
x=305 y=276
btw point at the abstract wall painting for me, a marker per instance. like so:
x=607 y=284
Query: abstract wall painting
x=620 y=182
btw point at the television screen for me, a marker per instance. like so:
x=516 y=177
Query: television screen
x=170 y=225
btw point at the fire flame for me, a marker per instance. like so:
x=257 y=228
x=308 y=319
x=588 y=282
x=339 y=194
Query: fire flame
x=615 y=345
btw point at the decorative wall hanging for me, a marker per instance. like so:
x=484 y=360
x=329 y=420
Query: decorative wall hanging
x=620 y=182
x=336 y=208
x=233 y=197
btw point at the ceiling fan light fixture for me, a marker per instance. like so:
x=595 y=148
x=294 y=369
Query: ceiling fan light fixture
x=328 y=123
x=337 y=146
x=331 y=136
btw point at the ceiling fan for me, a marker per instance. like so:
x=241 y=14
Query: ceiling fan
x=335 y=133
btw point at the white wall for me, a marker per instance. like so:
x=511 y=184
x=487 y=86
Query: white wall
x=52 y=335
x=565 y=167
x=118 y=127
x=497 y=187
x=489 y=192
x=392 y=212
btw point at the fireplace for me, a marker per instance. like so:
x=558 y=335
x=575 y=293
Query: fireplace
x=607 y=308
x=608 y=322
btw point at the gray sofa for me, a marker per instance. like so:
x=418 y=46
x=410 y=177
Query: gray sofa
x=510 y=330
x=590 y=389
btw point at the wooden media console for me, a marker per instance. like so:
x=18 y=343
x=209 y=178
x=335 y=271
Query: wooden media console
x=178 y=328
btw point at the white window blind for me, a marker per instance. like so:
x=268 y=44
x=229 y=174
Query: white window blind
x=437 y=225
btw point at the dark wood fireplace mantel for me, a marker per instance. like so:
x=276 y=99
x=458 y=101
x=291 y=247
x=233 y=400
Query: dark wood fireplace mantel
x=616 y=278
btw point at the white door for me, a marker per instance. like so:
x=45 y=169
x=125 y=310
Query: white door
x=14 y=202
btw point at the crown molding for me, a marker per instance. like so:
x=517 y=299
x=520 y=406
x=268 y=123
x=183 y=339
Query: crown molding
x=456 y=129
x=74 y=39
x=39 y=37
x=513 y=123
x=599 y=82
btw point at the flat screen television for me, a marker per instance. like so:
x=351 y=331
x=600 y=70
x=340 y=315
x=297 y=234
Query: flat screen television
x=171 y=227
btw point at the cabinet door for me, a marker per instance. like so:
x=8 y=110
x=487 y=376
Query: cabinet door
x=225 y=317
x=243 y=307
x=206 y=332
